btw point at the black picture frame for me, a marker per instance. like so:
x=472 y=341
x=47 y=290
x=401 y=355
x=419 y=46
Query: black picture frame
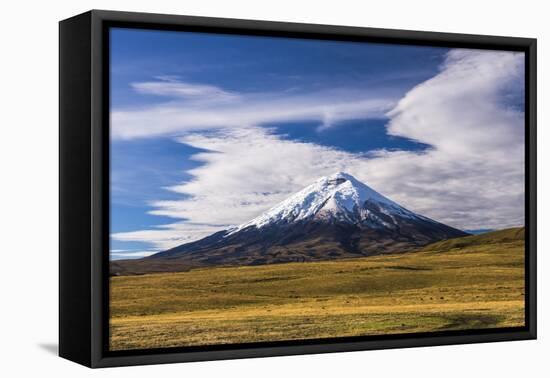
x=84 y=187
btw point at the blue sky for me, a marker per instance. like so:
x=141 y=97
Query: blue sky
x=184 y=103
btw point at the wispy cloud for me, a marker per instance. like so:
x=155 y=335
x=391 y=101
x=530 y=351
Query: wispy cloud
x=119 y=255
x=471 y=177
x=195 y=107
x=170 y=235
x=171 y=87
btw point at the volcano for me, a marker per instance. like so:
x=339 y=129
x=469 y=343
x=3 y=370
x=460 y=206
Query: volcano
x=335 y=217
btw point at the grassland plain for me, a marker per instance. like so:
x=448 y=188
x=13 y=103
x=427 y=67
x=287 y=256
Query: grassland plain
x=474 y=282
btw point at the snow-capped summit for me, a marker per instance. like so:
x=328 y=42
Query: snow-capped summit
x=335 y=217
x=338 y=197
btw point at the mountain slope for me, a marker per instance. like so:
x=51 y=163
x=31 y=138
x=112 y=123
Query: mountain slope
x=509 y=235
x=335 y=217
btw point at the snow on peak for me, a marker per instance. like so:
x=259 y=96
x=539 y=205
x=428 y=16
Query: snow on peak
x=339 y=196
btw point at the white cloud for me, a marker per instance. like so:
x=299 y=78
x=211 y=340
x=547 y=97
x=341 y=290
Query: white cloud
x=250 y=170
x=202 y=107
x=186 y=91
x=466 y=100
x=170 y=235
x=471 y=177
x=131 y=254
x=474 y=175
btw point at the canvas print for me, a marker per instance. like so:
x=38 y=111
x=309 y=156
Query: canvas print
x=269 y=189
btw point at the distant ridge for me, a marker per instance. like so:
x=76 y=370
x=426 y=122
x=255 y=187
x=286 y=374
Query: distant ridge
x=495 y=237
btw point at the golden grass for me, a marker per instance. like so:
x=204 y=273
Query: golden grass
x=452 y=287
